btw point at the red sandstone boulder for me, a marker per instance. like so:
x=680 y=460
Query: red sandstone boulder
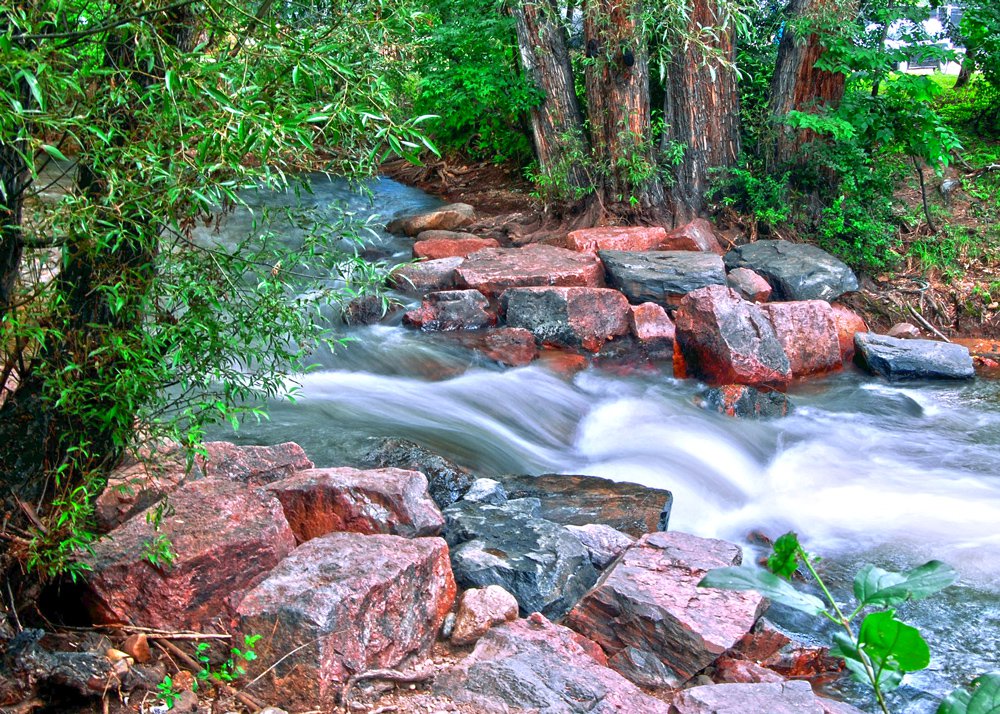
x=729 y=670
x=358 y=602
x=534 y=665
x=848 y=323
x=696 y=235
x=591 y=240
x=252 y=464
x=749 y=285
x=727 y=340
x=446 y=218
x=493 y=270
x=224 y=537
x=393 y=501
x=654 y=329
x=808 y=333
x=434 y=249
x=479 y=610
x=452 y=310
x=649 y=603
x=428 y=276
x=512 y=346
x=585 y=317
x=769 y=697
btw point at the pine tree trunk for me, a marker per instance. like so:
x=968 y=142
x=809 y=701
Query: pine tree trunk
x=797 y=83
x=617 y=79
x=556 y=123
x=701 y=111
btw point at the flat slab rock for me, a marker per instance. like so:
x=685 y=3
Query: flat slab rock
x=365 y=601
x=762 y=698
x=446 y=218
x=534 y=665
x=796 y=271
x=591 y=240
x=391 y=501
x=225 y=537
x=436 y=248
x=539 y=562
x=586 y=317
x=662 y=277
x=649 y=603
x=726 y=340
x=493 y=270
x=426 y=276
x=896 y=358
x=580 y=500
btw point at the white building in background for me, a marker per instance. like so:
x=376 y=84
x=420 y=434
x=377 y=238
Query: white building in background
x=942 y=27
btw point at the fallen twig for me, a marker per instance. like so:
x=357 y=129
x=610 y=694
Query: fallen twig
x=152 y=632
x=926 y=324
x=184 y=657
x=387 y=675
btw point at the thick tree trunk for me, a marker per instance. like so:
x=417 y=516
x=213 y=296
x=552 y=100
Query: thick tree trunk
x=797 y=83
x=617 y=79
x=556 y=123
x=701 y=111
x=965 y=73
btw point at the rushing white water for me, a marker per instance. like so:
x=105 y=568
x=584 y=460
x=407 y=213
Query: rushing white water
x=864 y=471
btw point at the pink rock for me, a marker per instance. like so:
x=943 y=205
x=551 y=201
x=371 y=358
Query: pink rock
x=452 y=310
x=904 y=331
x=727 y=340
x=769 y=697
x=479 y=610
x=136 y=486
x=585 y=317
x=696 y=235
x=534 y=665
x=393 y=501
x=451 y=247
x=808 y=333
x=650 y=602
x=848 y=323
x=603 y=542
x=358 y=602
x=512 y=346
x=591 y=240
x=252 y=464
x=446 y=218
x=224 y=537
x=652 y=327
x=493 y=270
x=749 y=285
x=428 y=276
x=730 y=670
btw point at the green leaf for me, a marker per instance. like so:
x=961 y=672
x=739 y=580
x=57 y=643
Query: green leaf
x=886 y=678
x=784 y=561
x=770 y=586
x=874 y=586
x=982 y=698
x=54 y=152
x=893 y=644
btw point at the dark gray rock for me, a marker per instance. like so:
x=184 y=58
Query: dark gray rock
x=578 y=500
x=912 y=359
x=447 y=481
x=539 y=562
x=796 y=271
x=534 y=665
x=743 y=402
x=661 y=276
x=452 y=310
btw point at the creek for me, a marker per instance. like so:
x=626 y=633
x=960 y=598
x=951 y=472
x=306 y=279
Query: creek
x=863 y=470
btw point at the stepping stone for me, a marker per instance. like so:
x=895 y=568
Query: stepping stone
x=663 y=277
x=796 y=271
x=493 y=270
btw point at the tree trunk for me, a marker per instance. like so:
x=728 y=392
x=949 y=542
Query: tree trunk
x=965 y=73
x=797 y=83
x=617 y=79
x=556 y=123
x=701 y=111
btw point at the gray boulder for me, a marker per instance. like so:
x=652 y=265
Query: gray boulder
x=539 y=562
x=796 y=271
x=895 y=358
x=770 y=697
x=661 y=276
x=447 y=481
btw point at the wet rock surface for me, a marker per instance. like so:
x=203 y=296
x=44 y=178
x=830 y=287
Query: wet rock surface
x=365 y=601
x=512 y=346
x=749 y=285
x=585 y=317
x=770 y=697
x=662 y=277
x=447 y=481
x=743 y=402
x=479 y=610
x=427 y=276
x=898 y=359
x=796 y=271
x=649 y=600
x=452 y=310
x=534 y=665
x=808 y=333
x=493 y=270
x=604 y=543
x=539 y=562
x=696 y=235
x=654 y=329
x=446 y=218
x=848 y=323
x=458 y=245
x=636 y=238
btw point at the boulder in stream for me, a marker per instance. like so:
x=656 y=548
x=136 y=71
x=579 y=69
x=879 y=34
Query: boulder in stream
x=493 y=270
x=426 y=276
x=770 y=697
x=743 y=402
x=436 y=248
x=447 y=481
x=808 y=333
x=749 y=285
x=662 y=277
x=452 y=310
x=654 y=329
x=895 y=358
x=849 y=323
x=512 y=346
x=586 y=317
x=633 y=238
x=446 y=218
x=796 y=271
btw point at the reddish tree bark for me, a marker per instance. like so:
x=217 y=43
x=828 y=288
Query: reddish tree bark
x=701 y=110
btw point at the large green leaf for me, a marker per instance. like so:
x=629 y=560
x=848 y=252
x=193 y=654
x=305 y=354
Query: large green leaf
x=874 y=586
x=767 y=584
x=784 y=561
x=982 y=698
x=892 y=644
x=845 y=648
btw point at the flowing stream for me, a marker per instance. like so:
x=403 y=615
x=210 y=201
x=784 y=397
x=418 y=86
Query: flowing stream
x=863 y=470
